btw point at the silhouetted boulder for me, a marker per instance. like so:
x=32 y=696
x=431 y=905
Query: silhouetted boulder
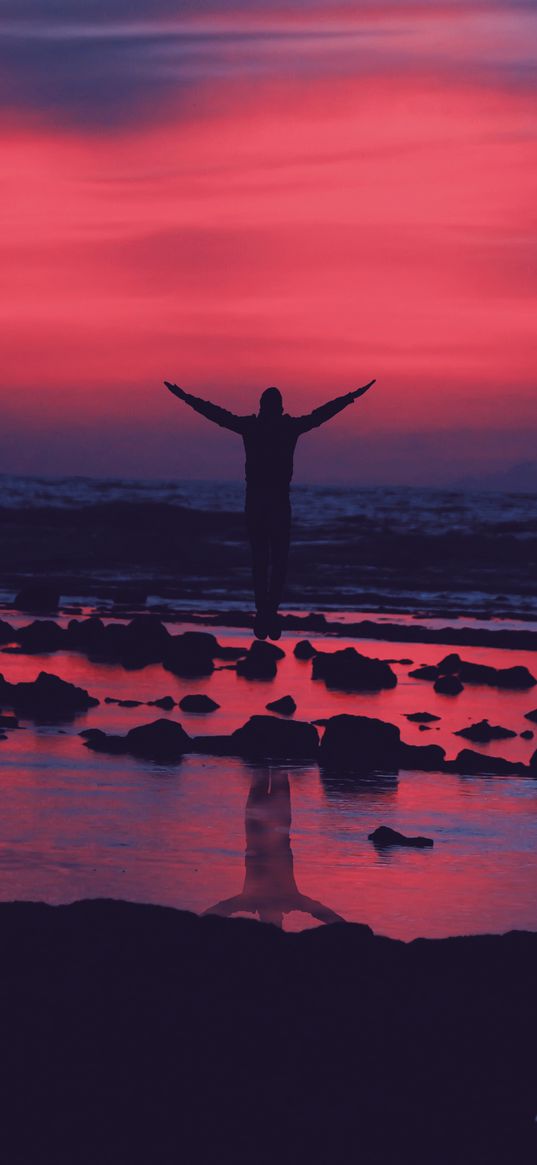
x=191 y=654
x=421 y=717
x=231 y=653
x=165 y=702
x=527 y=734
x=260 y=662
x=37 y=596
x=470 y=763
x=426 y=672
x=268 y=738
x=449 y=685
x=531 y=716
x=477 y=673
x=217 y=745
x=285 y=706
x=41 y=636
x=351 y=672
x=100 y=741
x=533 y=763
x=483 y=732
x=86 y=635
x=48 y=696
x=360 y=744
x=7 y=632
x=424 y=727
x=304 y=649
x=162 y=740
x=427 y=758
x=198 y=702
x=384 y=836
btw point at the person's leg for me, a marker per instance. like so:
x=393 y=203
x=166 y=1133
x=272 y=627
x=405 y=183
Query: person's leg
x=280 y=532
x=258 y=536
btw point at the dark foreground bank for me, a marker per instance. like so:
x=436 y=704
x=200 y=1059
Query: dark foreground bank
x=136 y=1033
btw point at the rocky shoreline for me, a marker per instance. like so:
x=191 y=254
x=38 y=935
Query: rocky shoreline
x=137 y=1033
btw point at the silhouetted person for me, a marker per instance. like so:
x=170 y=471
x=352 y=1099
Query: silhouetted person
x=269 y=439
x=269 y=887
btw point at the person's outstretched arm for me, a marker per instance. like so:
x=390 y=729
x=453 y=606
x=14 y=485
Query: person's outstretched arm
x=325 y=412
x=220 y=416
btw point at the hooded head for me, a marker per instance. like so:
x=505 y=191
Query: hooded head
x=270 y=403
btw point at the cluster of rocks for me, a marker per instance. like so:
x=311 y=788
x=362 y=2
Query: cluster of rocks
x=144 y=640
x=452 y=673
x=48 y=696
x=352 y=745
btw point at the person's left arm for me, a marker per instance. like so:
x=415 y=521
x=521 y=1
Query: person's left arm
x=330 y=409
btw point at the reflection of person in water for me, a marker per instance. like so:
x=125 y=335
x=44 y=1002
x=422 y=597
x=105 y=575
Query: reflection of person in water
x=269 y=438
x=269 y=887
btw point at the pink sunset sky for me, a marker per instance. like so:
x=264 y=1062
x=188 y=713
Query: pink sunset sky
x=238 y=195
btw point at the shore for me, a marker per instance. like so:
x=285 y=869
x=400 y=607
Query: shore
x=386 y=557
x=136 y=1033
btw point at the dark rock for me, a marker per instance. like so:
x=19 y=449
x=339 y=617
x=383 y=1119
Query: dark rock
x=214 y=745
x=426 y=672
x=470 y=763
x=285 y=706
x=527 y=734
x=37 y=597
x=424 y=727
x=384 y=836
x=3 y=735
x=448 y=685
x=165 y=702
x=162 y=740
x=100 y=741
x=8 y=720
x=483 y=732
x=229 y=652
x=531 y=716
x=349 y=671
x=359 y=744
x=517 y=678
x=421 y=717
x=198 y=703
x=152 y=1018
x=41 y=636
x=191 y=654
x=260 y=662
x=129 y=703
x=48 y=696
x=7 y=632
x=86 y=635
x=111 y=700
x=304 y=650
x=450 y=665
x=268 y=738
x=428 y=758
x=407 y=662
x=533 y=762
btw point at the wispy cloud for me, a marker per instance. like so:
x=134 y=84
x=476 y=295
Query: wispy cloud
x=106 y=63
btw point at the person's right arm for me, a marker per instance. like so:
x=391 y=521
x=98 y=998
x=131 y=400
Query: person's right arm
x=214 y=413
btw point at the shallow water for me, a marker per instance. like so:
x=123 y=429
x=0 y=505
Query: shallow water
x=78 y=824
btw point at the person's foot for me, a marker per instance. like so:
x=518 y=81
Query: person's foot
x=260 y=625
x=274 y=626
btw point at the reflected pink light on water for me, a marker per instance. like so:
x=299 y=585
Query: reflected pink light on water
x=78 y=824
